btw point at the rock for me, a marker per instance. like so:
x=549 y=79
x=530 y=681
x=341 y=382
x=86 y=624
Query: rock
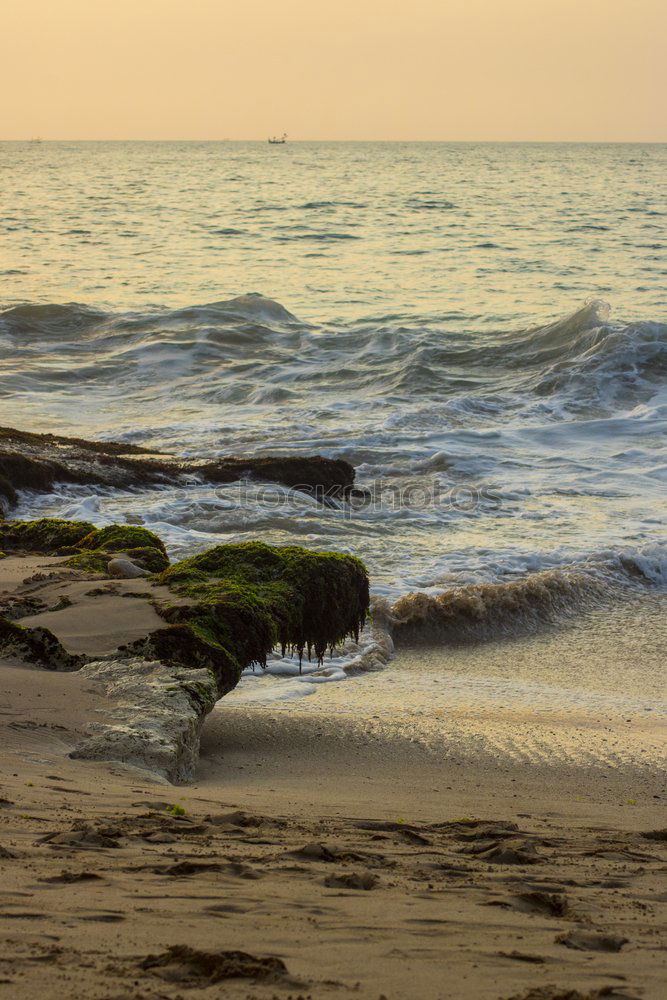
x=125 y=569
x=229 y=618
x=88 y=548
x=154 y=715
x=38 y=461
x=46 y=535
x=121 y=538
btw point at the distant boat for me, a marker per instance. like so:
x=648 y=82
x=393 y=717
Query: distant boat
x=275 y=141
x=36 y=139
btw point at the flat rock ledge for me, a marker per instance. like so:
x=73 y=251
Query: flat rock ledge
x=153 y=716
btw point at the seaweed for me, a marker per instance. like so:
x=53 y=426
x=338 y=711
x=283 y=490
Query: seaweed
x=47 y=535
x=121 y=538
x=248 y=598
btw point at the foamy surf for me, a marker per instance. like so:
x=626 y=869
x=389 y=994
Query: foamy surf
x=484 y=611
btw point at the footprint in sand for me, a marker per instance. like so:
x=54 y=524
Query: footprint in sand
x=591 y=941
x=352 y=880
x=520 y=852
x=543 y=903
x=204 y=968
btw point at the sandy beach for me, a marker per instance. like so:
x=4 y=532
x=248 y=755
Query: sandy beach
x=319 y=856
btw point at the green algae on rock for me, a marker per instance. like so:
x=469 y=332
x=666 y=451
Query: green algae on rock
x=88 y=547
x=46 y=536
x=89 y=562
x=36 y=645
x=237 y=602
x=121 y=538
x=139 y=544
x=232 y=604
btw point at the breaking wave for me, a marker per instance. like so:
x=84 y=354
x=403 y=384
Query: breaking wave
x=485 y=611
x=585 y=359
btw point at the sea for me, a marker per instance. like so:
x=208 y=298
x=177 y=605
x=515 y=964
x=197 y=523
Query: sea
x=479 y=328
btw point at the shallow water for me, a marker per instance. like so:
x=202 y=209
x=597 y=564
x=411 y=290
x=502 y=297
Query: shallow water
x=478 y=328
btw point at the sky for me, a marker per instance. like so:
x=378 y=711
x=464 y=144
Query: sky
x=536 y=70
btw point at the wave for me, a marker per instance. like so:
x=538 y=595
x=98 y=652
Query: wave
x=69 y=319
x=66 y=321
x=485 y=611
x=245 y=374
x=584 y=359
x=310 y=205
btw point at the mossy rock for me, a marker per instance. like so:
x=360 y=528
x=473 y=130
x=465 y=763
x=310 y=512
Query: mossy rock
x=89 y=562
x=46 y=536
x=36 y=645
x=38 y=461
x=96 y=560
x=122 y=538
x=246 y=599
x=88 y=547
x=184 y=644
x=152 y=559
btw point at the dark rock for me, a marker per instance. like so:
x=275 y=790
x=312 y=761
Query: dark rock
x=38 y=461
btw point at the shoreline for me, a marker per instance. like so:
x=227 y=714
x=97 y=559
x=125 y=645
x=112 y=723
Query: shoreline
x=333 y=614
x=585 y=697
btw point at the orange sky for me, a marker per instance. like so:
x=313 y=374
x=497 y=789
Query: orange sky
x=334 y=69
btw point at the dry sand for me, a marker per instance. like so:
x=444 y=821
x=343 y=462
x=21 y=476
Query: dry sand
x=338 y=858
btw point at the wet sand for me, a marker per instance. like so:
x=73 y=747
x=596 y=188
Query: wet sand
x=582 y=699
